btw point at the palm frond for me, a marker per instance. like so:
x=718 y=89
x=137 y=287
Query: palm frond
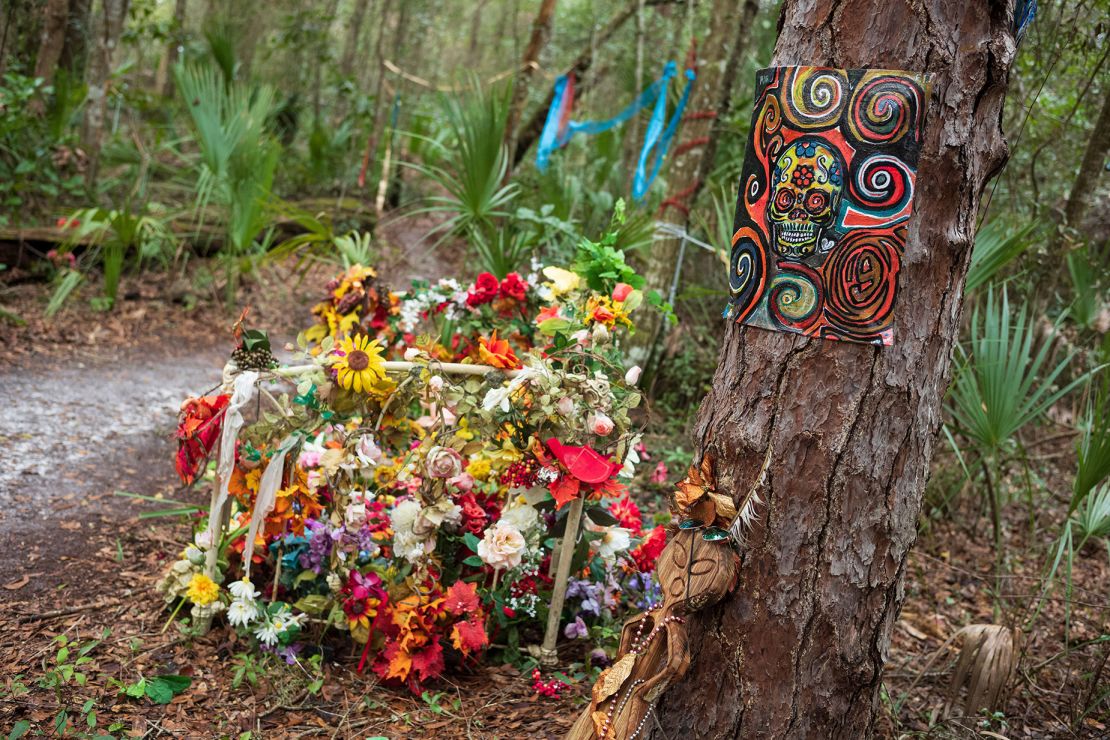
x=995 y=247
x=1002 y=380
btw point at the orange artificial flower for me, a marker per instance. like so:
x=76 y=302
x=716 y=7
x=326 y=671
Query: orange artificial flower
x=497 y=353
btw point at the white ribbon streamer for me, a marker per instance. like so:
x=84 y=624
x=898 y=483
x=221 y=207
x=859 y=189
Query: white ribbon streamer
x=243 y=391
x=267 y=495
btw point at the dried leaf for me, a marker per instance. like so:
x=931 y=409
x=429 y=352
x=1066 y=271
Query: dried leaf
x=988 y=658
x=613 y=677
x=16 y=585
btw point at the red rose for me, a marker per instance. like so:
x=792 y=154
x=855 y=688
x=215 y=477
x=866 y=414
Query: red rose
x=484 y=290
x=621 y=292
x=510 y=613
x=513 y=287
x=649 y=550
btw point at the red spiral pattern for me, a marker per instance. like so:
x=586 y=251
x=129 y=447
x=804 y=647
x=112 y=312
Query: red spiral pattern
x=861 y=282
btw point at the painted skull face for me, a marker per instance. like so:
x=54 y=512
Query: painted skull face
x=808 y=179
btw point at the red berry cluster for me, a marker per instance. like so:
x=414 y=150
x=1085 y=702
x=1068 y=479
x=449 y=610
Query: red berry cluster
x=550 y=689
x=521 y=474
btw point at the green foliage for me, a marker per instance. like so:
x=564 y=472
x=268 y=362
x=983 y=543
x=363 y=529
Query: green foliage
x=39 y=160
x=602 y=263
x=474 y=163
x=995 y=247
x=319 y=240
x=1093 y=453
x=68 y=664
x=1002 y=381
x=1087 y=296
x=160 y=689
x=238 y=153
x=112 y=235
x=501 y=251
x=1091 y=519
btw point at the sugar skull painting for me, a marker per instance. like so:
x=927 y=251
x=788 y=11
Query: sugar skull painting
x=826 y=191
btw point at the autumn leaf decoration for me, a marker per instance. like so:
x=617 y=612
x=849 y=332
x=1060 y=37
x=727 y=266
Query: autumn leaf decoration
x=696 y=498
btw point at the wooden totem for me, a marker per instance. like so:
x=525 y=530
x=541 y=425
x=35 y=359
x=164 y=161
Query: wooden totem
x=694 y=572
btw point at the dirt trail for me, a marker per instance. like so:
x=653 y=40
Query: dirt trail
x=72 y=435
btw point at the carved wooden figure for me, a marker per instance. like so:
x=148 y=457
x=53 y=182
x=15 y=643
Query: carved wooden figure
x=694 y=572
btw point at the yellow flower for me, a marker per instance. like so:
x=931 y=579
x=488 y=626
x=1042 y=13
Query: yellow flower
x=360 y=365
x=384 y=475
x=562 y=281
x=202 y=590
x=603 y=310
x=479 y=468
x=464 y=432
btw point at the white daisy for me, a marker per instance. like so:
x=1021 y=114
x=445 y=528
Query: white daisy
x=242 y=613
x=243 y=589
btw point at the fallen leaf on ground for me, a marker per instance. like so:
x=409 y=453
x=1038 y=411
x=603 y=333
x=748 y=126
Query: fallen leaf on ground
x=16 y=585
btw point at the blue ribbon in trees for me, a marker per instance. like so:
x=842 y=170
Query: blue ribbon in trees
x=558 y=129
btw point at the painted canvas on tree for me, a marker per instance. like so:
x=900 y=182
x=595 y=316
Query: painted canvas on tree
x=825 y=194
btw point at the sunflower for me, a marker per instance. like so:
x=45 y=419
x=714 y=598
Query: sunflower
x=359 y=363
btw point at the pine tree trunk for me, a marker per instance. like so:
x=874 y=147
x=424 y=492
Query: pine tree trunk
x=354 y=31
x=1094 y=159
x=107 y=29
x=692 y=160
x=798 y=649
x=169 y=59
x=541 y=33
x=52 y=39
x=75 y=51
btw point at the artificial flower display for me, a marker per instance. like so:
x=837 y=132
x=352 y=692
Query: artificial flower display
x=414 y=511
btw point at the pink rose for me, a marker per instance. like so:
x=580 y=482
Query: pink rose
x=599 y=423
x=462 y=481
x=622 y=291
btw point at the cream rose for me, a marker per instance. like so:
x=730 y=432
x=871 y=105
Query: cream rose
x=443 y=462
x=502 y=546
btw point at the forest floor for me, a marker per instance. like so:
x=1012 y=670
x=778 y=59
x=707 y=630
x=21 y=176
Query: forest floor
x=88 y=410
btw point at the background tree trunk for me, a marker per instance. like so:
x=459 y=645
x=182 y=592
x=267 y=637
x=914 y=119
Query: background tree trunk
x=52 y=39
x=354 y=32
x=75 y=52
x=718 y=63
x=798 y=649
x=108 y=26
x=541 y=33
x=1094 y=161
x=169 y=59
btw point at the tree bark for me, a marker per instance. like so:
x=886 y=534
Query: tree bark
x=541 y=33
x=718 y=61
x=169 y=59
x=75 y=51
x=1094 y=159
x=107 y=29
x=52 y=39
x=798 y=649
x=354 y=31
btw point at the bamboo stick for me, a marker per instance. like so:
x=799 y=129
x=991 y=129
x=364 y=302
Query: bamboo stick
x=548 y=653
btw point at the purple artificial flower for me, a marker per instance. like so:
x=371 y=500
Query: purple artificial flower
x=592 y=595
x=319 y=546
x=576 y=629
